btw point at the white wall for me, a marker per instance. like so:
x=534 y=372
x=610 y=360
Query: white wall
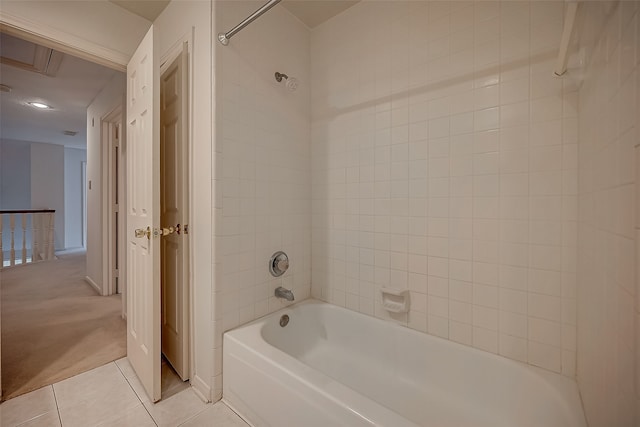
x=262 y=181
x=73 y=198
x=15 y=175
x=47 y=185
x=183 y=20
x=107 y=101
x=444 y=157
x=15 y=184
x=26 y=164
x=609 y=232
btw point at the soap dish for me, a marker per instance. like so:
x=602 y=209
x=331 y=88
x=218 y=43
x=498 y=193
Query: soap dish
x=395 y=300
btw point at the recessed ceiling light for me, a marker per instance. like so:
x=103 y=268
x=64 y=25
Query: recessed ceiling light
x=40 y=105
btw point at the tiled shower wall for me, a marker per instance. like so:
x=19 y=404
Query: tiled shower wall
x=444 y=161
x=609 y=297
x=263 y=185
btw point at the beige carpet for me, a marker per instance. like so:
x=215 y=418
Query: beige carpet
x=55 y=325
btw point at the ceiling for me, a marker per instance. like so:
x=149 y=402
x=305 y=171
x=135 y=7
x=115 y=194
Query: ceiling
x=35 y=73
x=311 y=12
x=148 y=9
x=314 y=12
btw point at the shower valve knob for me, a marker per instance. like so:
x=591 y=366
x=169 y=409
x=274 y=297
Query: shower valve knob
x=282 y=264
x=278 y=264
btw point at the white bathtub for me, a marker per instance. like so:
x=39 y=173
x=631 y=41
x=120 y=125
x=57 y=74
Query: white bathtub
x=334 y=367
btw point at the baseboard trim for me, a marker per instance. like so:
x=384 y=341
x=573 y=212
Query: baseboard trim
x=90 y=281
x=201 y=388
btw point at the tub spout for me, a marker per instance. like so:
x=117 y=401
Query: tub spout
x=284 y=293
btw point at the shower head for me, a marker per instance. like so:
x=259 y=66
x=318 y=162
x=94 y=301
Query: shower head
x=292 y=82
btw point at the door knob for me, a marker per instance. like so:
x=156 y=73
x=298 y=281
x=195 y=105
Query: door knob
x=141 y=232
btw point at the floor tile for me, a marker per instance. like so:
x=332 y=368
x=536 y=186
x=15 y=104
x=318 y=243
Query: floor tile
x=133 y=380
x=92 y=398
x=50 y=419
x=27 y=407
x=218 y=415
x=136 y=417
x=108 y=397
x=177 y=409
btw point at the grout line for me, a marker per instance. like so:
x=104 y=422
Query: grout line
x=234 y=411
x=134 y=392
x=56 y=400
x=150 y=416
x=128 y=382
x=197 y=414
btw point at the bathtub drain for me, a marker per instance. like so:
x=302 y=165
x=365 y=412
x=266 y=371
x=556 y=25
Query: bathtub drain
x=284 y=320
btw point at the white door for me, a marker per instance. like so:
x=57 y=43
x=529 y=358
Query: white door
x=173 y=205
x=143 y=215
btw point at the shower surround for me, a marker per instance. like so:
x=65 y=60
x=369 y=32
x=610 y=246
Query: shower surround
x=429 y=147
x=262 y=182
x=444 y=161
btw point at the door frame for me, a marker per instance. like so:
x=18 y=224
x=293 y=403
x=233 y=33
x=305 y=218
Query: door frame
x=84 y=203
x=69 y=43
x=108 y=125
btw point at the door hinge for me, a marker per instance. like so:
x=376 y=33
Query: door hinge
x=185 y=229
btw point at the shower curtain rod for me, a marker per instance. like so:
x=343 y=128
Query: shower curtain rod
x=224 y=37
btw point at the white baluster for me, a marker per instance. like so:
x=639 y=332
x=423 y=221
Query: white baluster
x=35 y=237
x=12 y=229
x=42 y=237
x=24 y=238
x=50 y=236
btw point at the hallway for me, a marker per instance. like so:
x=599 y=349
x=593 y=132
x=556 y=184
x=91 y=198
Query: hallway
x=55 y=325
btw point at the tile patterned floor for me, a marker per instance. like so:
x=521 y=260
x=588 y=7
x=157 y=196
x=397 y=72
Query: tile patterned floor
x=111 y=396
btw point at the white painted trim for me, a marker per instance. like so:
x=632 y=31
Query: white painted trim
x=84 y=204
x=122 y=264
x=93 y=284
x=107 y=125
x=105 y=143
x=62 y=41
x=188 y=39
x=172 y=53
x=201 y=388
